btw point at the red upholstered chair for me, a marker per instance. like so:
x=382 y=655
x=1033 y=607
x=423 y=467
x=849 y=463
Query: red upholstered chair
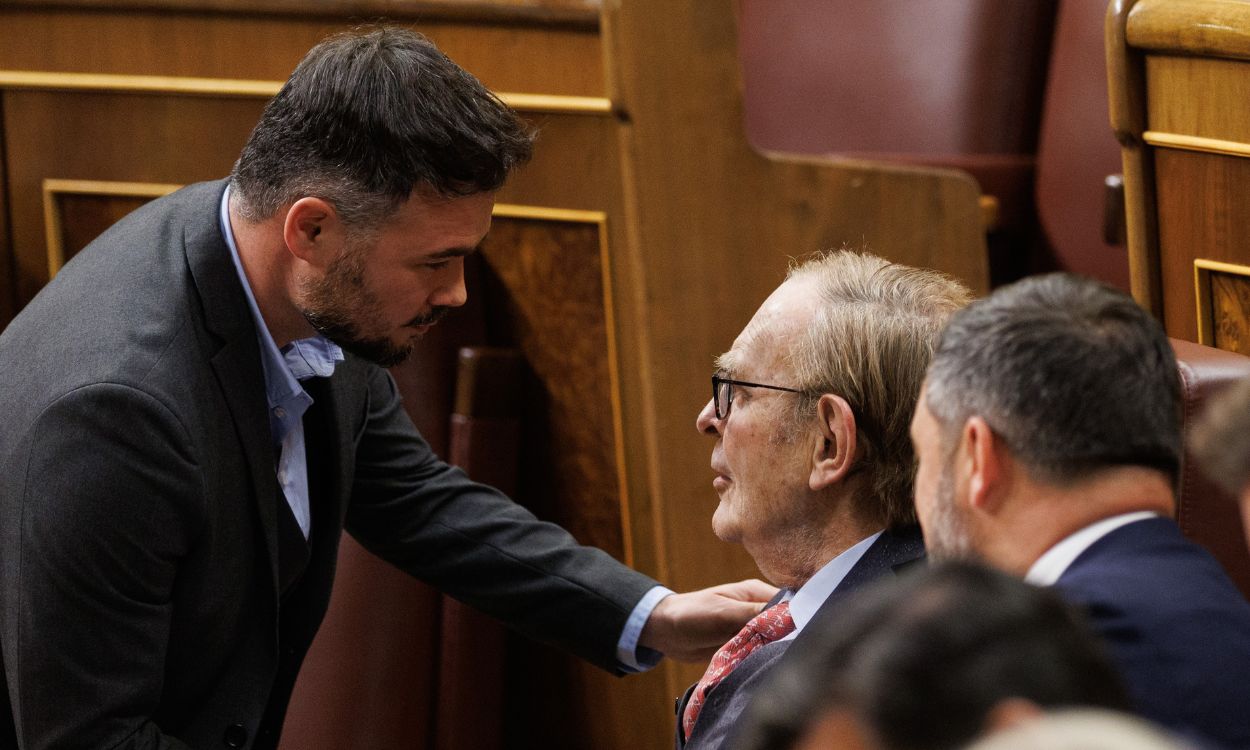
x=1077 y=150
x=954 y=84
x=1205 y=513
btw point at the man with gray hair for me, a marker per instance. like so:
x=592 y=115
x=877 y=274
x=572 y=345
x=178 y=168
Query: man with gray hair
x=1048 y=434
x=813 y=465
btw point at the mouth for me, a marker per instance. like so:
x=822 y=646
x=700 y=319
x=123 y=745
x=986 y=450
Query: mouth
x=423 y=323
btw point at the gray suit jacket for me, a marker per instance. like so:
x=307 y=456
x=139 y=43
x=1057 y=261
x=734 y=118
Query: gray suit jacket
x=891 y=553
x=138 y=601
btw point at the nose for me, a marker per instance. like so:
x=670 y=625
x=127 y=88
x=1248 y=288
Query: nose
x=707 y=423
x=451 y=292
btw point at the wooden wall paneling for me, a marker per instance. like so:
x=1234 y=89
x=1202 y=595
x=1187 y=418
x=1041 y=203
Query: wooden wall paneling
x=1203 y=214
x=527 y=58
x=1223 y=305
x=574 y=13
x=550 y=293
x=1126 y=87
x=112 y=137
x=77 y=211
x=1208 y=28
x=713 y=224
x=8 y=288
x=553 y=301
x=1179 y=86
x=1196 y=97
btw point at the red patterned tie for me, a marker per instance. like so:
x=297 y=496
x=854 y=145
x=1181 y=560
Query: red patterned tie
x=766 y=627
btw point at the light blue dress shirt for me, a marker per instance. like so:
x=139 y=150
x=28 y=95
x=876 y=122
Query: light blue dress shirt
x=306 y=358
x=807 y=600
x=287 y=400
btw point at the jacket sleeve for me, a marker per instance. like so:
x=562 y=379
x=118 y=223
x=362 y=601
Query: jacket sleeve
x=97 y=508
x=472 y=542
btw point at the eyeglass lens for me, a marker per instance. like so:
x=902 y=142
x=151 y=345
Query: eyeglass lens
x=723 y=393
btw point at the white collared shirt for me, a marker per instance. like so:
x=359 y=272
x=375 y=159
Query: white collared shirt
x=1052 y=564
x=811 y=595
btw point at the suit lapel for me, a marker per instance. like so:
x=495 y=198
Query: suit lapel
x=236 y=361
x=892 y=553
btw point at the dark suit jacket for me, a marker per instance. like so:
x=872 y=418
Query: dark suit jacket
x=1177 y=627
x=890 y=554
x=139 y=605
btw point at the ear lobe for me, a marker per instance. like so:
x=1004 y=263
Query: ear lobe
x=835 y=449
x=985 y=463
x=313 y=232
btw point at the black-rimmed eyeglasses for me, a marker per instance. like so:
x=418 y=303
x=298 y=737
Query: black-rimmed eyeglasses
x=723 y=392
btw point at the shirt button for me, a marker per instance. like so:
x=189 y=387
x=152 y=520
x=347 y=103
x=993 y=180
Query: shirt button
x=279 y=412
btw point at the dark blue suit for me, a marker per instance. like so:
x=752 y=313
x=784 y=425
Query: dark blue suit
x=890 y=554
x=1176 y=626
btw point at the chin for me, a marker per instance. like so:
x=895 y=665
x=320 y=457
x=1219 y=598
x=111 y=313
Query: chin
x=724 y=526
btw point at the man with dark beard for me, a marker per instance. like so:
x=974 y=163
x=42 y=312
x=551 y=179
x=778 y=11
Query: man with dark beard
x=1048 y=436
x=185 y=439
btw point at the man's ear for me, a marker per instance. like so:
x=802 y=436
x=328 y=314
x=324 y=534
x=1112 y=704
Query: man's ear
x=313 y=231
x=982 y=451
x=834 y=451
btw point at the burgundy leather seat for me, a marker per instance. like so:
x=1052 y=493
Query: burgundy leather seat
x=1205 y=513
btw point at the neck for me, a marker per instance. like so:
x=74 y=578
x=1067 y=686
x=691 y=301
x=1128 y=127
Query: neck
x=1037 y=516
x=266 y=263
x=792 y=558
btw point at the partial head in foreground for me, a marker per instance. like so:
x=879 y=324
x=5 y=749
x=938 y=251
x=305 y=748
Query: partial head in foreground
x=930 y=663
x=1221 y=444
x=811 y=406
x=378 y=162
x=1051 y=382
x=1084 y=729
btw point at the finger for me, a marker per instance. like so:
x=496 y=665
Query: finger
x=750 y=590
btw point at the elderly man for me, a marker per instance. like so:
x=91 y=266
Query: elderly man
x=813 y=465
x=1048 y=434
x=195 y=409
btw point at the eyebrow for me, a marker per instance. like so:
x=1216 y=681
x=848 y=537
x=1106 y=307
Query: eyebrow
x=452 y=252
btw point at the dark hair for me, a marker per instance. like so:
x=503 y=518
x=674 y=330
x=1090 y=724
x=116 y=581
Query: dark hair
x=922 y=661
x=1072 y=374
x=368 y=116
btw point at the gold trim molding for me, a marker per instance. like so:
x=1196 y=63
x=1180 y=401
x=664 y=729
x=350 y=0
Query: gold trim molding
x=1196 y=143
x=52 y=221
x=542 y=213
x=1203 y=269
x=236 y=88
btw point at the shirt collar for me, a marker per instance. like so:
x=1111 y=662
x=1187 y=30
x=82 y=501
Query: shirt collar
x=298 y=360
x=1055 y=561
x=811 y=595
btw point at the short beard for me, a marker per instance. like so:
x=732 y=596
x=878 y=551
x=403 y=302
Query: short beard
x=948 y=539
x=339 y=303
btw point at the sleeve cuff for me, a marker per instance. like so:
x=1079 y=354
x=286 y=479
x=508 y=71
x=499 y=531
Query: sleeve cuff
x=629 y=656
